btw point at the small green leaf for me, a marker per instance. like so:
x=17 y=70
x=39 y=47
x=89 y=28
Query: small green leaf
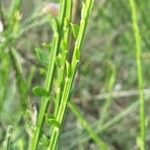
x=54 y=122
x=75 y=30
x=44 y=141
x=43 y=56
x=39 y=91
x=54 y=23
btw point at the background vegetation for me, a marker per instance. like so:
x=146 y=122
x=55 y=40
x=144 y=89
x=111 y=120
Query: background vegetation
x=106 y=89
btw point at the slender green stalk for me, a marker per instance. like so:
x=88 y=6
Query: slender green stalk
x=45 y=100
x=105 y=110
x=70 y=74
x=4 y=78
x=100 y=143
x=139 y=69
x=63 y=53
x=49 y=78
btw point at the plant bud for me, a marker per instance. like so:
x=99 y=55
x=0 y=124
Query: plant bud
x=51 y=8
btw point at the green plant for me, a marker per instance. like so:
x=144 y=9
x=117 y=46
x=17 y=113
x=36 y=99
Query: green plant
x=139 y=72
x=65 y=70
x=51 y=98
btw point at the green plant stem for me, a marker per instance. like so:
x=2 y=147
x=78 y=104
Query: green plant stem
x=45 y=100
x=4 y=78
x=64 y=50
x=139 y=70
x=105 y=110
x=49 y=78
x=71 y=71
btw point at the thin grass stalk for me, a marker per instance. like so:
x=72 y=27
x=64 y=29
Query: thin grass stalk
x=138 y=47
x=100 y=143
x=105 y=110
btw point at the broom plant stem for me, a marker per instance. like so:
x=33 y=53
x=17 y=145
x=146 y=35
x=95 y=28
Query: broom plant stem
x=70 y=75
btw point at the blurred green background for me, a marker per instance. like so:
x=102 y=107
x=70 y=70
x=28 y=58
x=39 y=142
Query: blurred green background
x=106 y=87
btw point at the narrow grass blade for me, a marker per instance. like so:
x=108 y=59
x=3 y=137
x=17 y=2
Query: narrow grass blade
x=101 y=144
x=138 y=47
